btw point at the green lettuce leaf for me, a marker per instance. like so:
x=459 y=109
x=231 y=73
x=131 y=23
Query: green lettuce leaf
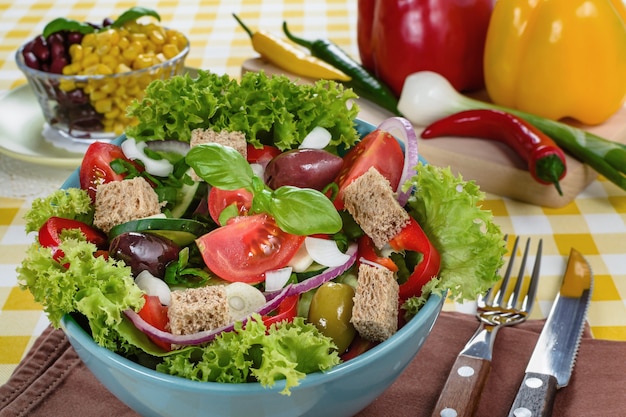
x=100 y=289
x=268 y=110
x=471 y=245
x=70 y=203
x=286 y=351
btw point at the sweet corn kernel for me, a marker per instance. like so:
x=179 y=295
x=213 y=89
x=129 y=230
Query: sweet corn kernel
x=170 y=50
x=143 y=61
x=124 y=42
x=76 y=52
x=103 y=105
x=90 y=60
x=114 y=113
x=138 y=37
x=67 y=85
x=89 y=39
x=109 y=87
x=103 y=49
x=97 y=95
x=111 y=62
x=157 y=36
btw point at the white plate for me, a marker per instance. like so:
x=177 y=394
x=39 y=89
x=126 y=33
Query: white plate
x=21 y=127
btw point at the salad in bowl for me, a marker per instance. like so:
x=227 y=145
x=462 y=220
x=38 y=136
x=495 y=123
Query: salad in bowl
x=255 y=232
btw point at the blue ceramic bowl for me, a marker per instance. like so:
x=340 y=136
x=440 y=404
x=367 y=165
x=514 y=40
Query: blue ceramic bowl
x=343 y=391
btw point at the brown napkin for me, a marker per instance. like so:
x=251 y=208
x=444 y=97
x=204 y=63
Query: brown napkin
x=52 y=381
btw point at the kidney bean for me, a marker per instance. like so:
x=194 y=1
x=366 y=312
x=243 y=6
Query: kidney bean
x=56 y=67
x=74 y=37
x=57 y=51
x=40 y=49
x=30 y=60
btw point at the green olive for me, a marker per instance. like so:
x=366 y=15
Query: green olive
x=330 y=312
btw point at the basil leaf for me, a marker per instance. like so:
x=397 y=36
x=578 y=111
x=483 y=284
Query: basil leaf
x=134 y=13
x=304 y=211
x=61 y=23
x=221 y=166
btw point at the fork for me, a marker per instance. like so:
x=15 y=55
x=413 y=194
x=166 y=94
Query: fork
x=461 y=393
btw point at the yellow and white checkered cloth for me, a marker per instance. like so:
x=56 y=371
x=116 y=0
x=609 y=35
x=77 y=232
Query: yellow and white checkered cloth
x=595 y=223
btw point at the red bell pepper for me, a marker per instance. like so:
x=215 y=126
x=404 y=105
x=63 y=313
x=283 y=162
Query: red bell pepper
x=49 y=234
x=367 y=250
x=413 y=238
x=287 y=310
x=397 y=38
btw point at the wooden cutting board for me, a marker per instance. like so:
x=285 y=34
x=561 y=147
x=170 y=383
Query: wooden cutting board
x=494 y=166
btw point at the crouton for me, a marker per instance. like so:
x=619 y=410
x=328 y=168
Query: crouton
x=236 y=140
x=371 y=202
x=375 y=311
x=118 y=202
x=198 y=309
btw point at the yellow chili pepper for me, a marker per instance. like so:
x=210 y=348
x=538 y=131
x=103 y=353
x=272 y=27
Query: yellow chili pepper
x=287 y=56
x=557 y=58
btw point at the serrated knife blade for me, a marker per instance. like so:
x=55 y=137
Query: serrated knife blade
x=551 y=364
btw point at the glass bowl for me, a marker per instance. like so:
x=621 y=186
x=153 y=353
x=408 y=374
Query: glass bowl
x=93 y=107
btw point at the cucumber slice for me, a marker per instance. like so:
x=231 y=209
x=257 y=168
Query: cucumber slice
x=180 y=231
x=189 y=197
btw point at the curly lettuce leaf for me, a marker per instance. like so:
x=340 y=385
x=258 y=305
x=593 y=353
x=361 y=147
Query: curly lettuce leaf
x=471 y=245
x=268 y=110
x=100 y=289
x=286 y=351
x=70 y=203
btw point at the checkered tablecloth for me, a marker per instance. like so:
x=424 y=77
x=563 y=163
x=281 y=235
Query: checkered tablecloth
x=595 y=223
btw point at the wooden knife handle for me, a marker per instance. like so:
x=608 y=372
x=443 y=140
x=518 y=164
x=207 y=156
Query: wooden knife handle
x=463 y=387
x=535 y=396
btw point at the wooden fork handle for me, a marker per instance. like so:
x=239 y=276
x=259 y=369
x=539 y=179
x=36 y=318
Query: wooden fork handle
x=462 y=391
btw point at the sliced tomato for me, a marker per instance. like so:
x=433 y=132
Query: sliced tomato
x=49 y=232
x=377 y=149
x=220 y=199
x=287 y=310
x=261 y=155
x=246 y=247
x=96 y=166
x=154 y=313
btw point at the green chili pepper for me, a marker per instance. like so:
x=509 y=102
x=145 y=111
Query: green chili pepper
x=362 y=81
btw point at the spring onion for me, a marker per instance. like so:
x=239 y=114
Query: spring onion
x=427 y=97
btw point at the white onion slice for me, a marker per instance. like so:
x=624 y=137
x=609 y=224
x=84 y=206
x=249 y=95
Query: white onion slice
x=135 y=150
x=403 y=130
x=276 y=279
x=200 y=337
x=152 y=285
x=301 y=261
x=325 y=251
x=243 y=300
x=318 y=138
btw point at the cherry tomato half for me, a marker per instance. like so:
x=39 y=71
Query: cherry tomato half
x=96 y=166
x=261 y=155
x=220 y=199
x=246 y=247
x=377 y=149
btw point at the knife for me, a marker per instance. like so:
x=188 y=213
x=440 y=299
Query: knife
x=552 y=361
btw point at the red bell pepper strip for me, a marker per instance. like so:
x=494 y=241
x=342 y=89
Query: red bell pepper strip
x=413 y=238
x=367 y=251
x=49 y=234
x=397 y=38
x=287 y=310
x=546 y=161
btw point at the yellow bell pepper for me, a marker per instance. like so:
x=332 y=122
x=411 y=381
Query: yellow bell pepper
x=557 y=58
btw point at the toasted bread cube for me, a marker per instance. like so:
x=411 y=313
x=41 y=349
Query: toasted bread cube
x=118 y=202
x=375 y=311
x=198 y=309
x=371 y=202
x=236 y=140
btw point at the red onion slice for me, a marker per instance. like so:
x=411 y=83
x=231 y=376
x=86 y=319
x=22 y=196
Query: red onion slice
x=403 y=130
x=327 y=275
x=200 y=337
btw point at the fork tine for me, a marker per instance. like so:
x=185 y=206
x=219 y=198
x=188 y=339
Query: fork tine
x=520 y=278
x=507 y=275
x=534 y=280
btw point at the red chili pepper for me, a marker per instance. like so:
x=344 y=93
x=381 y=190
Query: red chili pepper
x=287 y=310
x=546 y=161
x=49 y=234
x=413 y=238
x=367 y=250
x=397 y=38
